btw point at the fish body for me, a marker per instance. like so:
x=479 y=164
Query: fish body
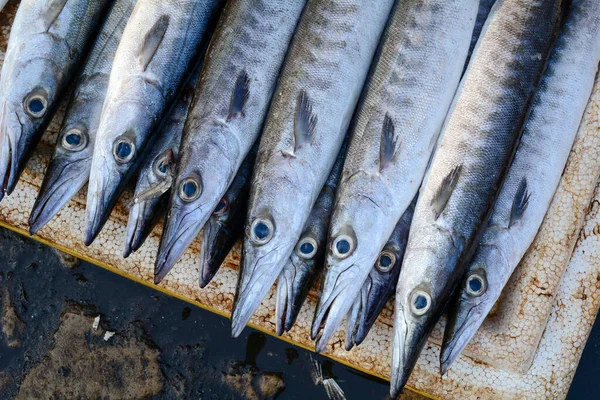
x=2 y=4
x=318 y=90
x=380 y=284
x=415 y=77
x=533 y=176
x=475 y=150
x=306 y=261
x=160 y=45
x=71 y=162
x=485 y=6
x=157 y=171
x=226 y=224
x=48 y=41
x=228 y=112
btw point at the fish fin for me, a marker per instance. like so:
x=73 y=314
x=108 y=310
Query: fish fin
x=152 y=41
x=520 y=202
x=390 y=146
x=441 y=197
x=305 y=121
x=241 y=92
x=54 y=9
x=333 y=389
x=316 y=372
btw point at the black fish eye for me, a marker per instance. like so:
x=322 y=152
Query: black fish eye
x=343 y=246
x=190 y=189
x=261 y=231
x=222 y=207
x=35 y=105
x=123 y=150
x=386 y=261
x=420 y=302
x=74 y=140
x=307 y=248
x=161 y=167
x=476 y=285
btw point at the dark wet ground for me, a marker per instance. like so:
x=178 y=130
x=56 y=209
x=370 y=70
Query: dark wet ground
x=162 y=347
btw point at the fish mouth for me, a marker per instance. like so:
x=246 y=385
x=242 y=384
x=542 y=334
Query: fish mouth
x=250 y=291
x=461 y=326
x=286 y=308
x=358 y=327
x=142 y=216
x=11 y=155
x=104 y=188
x=179 y=232
x=62 y=181
x=333 y=306
x=208 y=263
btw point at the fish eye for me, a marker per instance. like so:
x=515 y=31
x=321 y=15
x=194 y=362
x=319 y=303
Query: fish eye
x=420 y=302
x=342 y=246
x=261 y=231
x=476 y=285
x=123 y=150
x=222 y=207
x=386 y=261
x=161 y=165
x=190 y=189
x=74 y=140
x=306 y=248
x=36 y=105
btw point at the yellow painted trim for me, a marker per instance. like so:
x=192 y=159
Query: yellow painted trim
x=194 y=302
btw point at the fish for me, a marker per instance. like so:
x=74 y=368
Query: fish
x=71 y=161
x=226 y=224
x=157 y=171
x=533 y=176
x=416 y=75
x=380 y=284
x=48 y=42
x=228 y=112
x=305 y=264
x=475 y=150
x=2 y=4
x=319 y=88
x=160 y=44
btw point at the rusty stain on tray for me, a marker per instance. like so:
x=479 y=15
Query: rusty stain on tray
x=528 y=347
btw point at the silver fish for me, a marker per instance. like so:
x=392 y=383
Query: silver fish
x=415 y=78
x=231 y=103
x=157 y=171
x=476 y=148
x=533 y=176
x=159 y=47
x=2 y=4
x=485 y=6
x=306 y=261
x=380 y=284
x=47 y=42
x=226 y=224
x=321 y=81
x=71 y=162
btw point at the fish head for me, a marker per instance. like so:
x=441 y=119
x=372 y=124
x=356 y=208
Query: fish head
x=198 y=189
x=352 y=250
x=478 y=292
x=278 y=211
x=121 y=141
x=425 y=286
x=69 y=167
x=28 y=98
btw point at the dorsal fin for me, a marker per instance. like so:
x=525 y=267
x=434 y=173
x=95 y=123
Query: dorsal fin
x=439 y=201
x=305 y=121
x=152 y=41
x=390 y=147
x=520 y=202
x=241 y=92
x=53 y=11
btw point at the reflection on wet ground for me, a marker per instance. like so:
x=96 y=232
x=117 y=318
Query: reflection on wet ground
x=145 y=345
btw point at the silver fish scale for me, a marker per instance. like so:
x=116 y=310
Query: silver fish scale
x=415 y=77
x=328 y=63
x=477 y=145
x=232 y=99
x=539 y=161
